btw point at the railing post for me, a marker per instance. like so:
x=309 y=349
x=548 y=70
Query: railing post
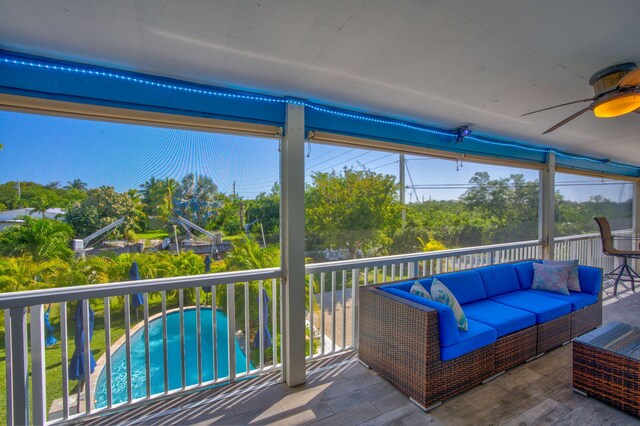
x=546 y=216
x=8 y=366
x=38 y=365
x=19 y=377
x=292 y=243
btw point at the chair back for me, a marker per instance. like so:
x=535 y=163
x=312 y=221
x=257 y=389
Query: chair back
x=605 y=235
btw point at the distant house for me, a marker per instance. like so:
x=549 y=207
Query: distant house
x=11 y=217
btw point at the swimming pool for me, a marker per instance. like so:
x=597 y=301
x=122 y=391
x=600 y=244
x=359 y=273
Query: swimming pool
x=156 y=349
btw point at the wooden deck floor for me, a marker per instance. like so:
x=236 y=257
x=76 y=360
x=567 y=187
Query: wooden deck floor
x=340 y=391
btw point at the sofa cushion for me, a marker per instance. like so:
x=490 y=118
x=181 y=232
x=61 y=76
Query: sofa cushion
x=551 y=278
x=499 y=279
x=573 y=280
x=503 y=318
x=466 y=286
x=577 y=300
x=544 y=308
x=447 y=326
x=440 y=293
x=524 y=271
x=590 y=279
x=478 y=336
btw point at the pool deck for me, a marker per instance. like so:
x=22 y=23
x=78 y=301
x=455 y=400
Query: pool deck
x=339 y=391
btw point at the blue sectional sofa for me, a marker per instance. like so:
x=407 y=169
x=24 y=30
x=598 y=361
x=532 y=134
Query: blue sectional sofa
x=415 y=342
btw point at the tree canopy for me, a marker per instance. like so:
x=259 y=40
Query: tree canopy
x=102 y=207
x=196 y=199
x=40 y=238
x=356 y=208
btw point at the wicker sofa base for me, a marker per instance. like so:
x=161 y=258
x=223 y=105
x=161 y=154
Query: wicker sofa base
x=400 y=340
x=450 y=378
x=553 y=333
x=586 y=319
x=516 y=348
x=607 y=376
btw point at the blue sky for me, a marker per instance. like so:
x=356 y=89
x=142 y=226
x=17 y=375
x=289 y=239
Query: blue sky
x=45 y=149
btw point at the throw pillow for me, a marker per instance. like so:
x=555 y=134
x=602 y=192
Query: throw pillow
x=550 y=278
x=419 y=290
x=573 y=282
x=440 y=293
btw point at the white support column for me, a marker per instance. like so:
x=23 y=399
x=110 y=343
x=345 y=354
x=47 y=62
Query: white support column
x=546 y=219
x=636 y=221
x=292 y=221
x=403 y=185
x=636 y=208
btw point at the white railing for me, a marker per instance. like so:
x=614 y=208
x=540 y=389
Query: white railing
x=204 y=355
x=587 y=248
x=332 y=301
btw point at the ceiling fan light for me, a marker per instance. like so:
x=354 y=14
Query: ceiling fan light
x=618 y=105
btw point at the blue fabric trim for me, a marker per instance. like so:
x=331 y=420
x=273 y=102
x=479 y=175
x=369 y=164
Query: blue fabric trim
x=35 y=76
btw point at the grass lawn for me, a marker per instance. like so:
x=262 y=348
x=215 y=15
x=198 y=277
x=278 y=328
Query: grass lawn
x=152 y=234
x=233 y=238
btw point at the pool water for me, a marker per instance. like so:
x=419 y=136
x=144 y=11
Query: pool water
x=156 y=349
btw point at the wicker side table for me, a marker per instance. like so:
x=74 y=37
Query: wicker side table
x=606 y=366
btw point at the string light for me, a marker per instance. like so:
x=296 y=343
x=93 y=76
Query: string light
x=320 y=108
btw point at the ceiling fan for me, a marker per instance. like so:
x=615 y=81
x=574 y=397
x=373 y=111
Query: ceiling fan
x=617 y=92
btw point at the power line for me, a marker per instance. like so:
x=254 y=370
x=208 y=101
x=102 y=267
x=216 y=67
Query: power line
x=411 y=179
x=384 y=165
x=330 y=159
x=342 y=162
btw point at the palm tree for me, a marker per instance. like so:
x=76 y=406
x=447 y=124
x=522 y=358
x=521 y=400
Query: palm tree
x=25 y=273
x=76 y=184
x=40 y=238
x=40 y=205
x=167 y=208
x=196 y=198
x=247 y=254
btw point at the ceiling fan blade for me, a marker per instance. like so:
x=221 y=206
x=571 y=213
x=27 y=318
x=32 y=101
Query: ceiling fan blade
x=566 y=120
x=557 y=106
x=631 y=79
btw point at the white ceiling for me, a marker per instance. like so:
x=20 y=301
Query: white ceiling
x=447 y=63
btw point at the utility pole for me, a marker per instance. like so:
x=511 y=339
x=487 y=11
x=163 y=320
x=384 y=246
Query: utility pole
x=402 y=189
x=234 y=190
